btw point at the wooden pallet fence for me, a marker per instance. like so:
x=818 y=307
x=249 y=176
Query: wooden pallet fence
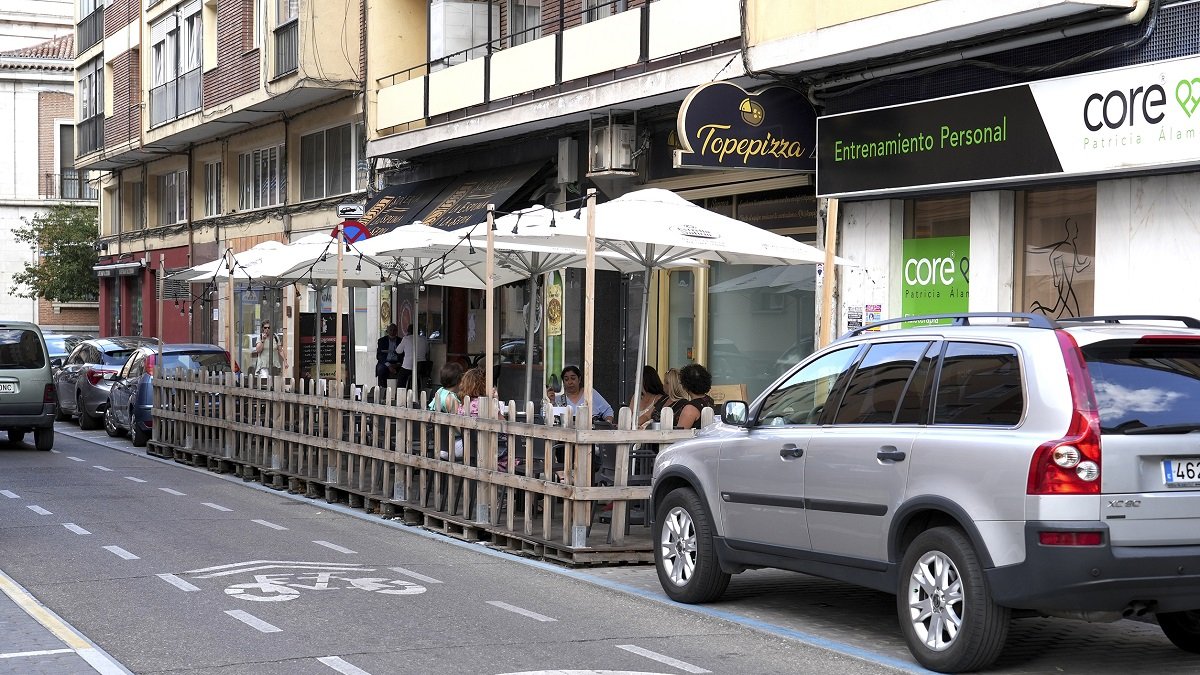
x=558 y=490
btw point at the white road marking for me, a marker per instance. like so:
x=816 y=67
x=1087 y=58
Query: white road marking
x=215 y=506
x=517 y=610
x=655 y=656
x=269 y=524
x=177 y=582
x=75 y=459
x=255 y=566
x=10 y=495
x=57 y=452
x=118 y=551
x=40 y=652
x=418 y=577
x=169 y=491
x=339 y=549
x=338 y=664
x=102 y=468
x=136 y=480
x=75 y=528
x=38 y=510
x=253 y=621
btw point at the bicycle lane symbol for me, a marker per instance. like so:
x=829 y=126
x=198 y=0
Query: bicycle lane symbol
x=282 y=586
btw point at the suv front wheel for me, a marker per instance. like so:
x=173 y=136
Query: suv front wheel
x=947 y=615
x=687 y=563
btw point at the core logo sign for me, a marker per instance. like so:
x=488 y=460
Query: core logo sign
x=1187 y=94
x=1119 y=108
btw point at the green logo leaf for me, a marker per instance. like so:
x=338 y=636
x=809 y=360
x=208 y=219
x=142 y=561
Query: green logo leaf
x=1187 y=93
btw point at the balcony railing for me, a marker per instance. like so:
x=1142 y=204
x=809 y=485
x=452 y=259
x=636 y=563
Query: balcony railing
x=70 y=184
x=287 y=48
x=176 y=98
x=90 y=30
x=89 y=135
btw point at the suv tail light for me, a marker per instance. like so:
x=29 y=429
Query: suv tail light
x=50 y=394
x=1071 y=465
x=94 y=375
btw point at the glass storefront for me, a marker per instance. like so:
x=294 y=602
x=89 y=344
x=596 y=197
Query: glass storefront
x=1056 y=241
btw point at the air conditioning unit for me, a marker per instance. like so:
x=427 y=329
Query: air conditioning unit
x=613 y=147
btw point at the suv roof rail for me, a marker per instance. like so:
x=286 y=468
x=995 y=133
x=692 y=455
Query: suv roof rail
x=1187 y=321
x=964 y=319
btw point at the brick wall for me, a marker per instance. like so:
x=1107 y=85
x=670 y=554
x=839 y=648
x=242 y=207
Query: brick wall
x=125 y=122
x=66 y=316
x=119 y=14
x=52 y=105
x=237 y=70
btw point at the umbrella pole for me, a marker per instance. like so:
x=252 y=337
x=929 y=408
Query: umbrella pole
x=489 y=332
x=414 y=320
x=231 y=314
x=589 y=303
x=533 y=286
x=319 y=322
x=641 y=359
x=337 y=321
x=827 y=319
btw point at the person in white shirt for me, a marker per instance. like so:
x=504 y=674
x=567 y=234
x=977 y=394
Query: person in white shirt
x=413 y=349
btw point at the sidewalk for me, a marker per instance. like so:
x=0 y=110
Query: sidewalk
x=34 y=640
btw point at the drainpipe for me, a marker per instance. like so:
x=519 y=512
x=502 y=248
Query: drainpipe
x=1133 y=17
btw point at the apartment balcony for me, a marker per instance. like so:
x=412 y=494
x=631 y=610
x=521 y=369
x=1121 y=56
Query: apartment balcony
x=652 y=54
x=89 y=134
x=70 y=184
x=174 y=99
x=89 y=30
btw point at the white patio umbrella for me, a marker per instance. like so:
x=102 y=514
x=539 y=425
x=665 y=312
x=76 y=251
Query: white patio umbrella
x=655 y=227
x=218 y=268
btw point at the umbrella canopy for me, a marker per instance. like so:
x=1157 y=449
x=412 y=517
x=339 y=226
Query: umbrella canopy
x=216 y=269
x=314 y=259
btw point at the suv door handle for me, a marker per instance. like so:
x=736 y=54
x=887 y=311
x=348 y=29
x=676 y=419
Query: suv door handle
x=890 y=454
x=790 y=451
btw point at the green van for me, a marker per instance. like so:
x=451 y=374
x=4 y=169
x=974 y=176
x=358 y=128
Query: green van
x=28 y=399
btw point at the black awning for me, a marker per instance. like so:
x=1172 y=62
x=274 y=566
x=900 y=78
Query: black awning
x=397 y=205
x=464 y=202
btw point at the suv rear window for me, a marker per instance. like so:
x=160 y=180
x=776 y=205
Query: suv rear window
x=1151 y=387
x=21 y=348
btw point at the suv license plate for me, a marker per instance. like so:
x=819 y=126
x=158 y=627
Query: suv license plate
x=8 y=387
x=1181 y=473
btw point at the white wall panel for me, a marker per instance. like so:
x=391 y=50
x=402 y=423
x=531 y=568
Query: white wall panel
x=707 y=21
x=401 y=103
x=600 y=46
x=523 y=68
x=456 y=87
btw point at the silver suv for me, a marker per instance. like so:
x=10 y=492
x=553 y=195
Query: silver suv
x=999 y=467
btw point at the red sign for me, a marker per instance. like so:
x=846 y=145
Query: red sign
x=352 y=231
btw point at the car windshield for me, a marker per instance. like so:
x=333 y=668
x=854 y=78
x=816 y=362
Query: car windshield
x=116 y=357
x=1146 y=387
x=197 y=361
x=20 y=348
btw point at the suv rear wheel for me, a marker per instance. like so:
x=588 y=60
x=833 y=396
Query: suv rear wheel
x=946 y=611
x=687 y=563
x=1182 y=629
x=43 y=438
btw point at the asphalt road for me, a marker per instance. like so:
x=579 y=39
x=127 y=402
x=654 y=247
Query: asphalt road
x=353 y=593
x=173 y=570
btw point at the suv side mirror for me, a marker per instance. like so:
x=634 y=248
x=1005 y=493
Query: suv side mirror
x=735 y=413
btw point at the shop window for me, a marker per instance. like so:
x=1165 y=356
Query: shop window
x=935 y=260
x=1056 y=231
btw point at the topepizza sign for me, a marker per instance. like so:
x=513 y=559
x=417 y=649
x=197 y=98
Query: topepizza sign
x=1112 y=121
x=722 y=126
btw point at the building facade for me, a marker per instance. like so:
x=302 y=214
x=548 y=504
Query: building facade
x=214 y=126
x=36 y=140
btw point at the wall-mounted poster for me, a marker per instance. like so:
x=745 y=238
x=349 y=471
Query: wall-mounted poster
x=935 y=276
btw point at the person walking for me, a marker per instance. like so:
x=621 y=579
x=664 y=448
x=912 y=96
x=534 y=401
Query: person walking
x=268 y=353
x=387 y=361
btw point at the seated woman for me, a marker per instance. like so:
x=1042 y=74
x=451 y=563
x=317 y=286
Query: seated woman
x=696 y=380
x=652 y=400
x=572 y=396
x=446 y=400
x=473 y=389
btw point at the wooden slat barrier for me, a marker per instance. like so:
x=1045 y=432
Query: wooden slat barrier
x=560 y=491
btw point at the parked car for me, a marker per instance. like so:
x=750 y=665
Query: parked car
x=59 y=346
x=82 y=389
x=130 y=398
x=980 y=471
x=27 y=398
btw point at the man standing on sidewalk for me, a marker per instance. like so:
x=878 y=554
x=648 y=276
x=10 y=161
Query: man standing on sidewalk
x=414 y=349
